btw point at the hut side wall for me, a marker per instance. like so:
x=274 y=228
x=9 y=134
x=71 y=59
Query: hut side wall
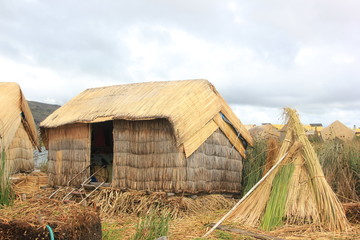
x=69 y=153
x=216 y=166
x=20 y=152
x=146 y=158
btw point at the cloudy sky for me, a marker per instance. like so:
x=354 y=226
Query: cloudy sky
x=260 y=55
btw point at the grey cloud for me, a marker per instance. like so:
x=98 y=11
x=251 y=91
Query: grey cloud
x=86 y=38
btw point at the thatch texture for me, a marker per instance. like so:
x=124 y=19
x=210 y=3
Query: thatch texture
x=337 y=130
x=296 y=191
x=70 y=153
x=20 y=152
x=188 y=105
x=17 y=128
x=147 y=158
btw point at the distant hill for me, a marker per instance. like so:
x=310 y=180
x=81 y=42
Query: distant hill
x=41 y=110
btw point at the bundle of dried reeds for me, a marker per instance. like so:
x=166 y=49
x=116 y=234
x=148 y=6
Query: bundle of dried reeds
x=295 y=192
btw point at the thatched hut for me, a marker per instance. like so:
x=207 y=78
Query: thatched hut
x=177 y=136
x=337 y=130
x=18 y=134
x=264 y=132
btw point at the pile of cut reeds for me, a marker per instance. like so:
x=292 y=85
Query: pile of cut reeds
x=114 y=202
x=68 y=221
x=295 y=191
x=352 y=211
x=28 y=184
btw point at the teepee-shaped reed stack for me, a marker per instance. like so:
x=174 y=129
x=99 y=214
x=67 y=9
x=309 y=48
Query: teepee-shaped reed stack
x=295 y=191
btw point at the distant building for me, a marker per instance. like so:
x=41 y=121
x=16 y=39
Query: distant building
x=264 y=132
x=337 y=130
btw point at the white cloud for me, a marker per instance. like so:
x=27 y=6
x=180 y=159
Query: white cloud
x=343 y=59
x=307 y=56
x=261 y=56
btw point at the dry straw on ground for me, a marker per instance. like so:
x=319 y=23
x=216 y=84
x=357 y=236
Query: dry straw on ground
x=114 y=202
x=68 y=221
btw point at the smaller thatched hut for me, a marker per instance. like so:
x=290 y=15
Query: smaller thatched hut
x=337 y=130
x=264 y=132
x=176 y=136
x=18 y=134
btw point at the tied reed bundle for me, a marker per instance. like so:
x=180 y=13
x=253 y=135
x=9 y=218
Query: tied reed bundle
x=330 y=210
x=295 y=192
x=275 y=208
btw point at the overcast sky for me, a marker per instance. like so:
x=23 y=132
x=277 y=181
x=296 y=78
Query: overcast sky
x=260 y=55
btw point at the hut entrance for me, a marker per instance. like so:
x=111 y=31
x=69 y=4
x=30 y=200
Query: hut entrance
x=102 y=146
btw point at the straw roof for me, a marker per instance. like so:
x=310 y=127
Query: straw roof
x=194 y=108
x=15 y=111
x=337 y=130
x=264 y=132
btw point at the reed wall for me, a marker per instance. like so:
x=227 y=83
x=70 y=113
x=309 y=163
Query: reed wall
x=20 y=153
x=216 y=166
x=69 y=153
x=146 y=158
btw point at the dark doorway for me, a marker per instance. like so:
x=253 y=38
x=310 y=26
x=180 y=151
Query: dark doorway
x=102 y=145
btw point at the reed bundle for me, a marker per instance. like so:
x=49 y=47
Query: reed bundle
x=114 y=202
x=295 y=192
